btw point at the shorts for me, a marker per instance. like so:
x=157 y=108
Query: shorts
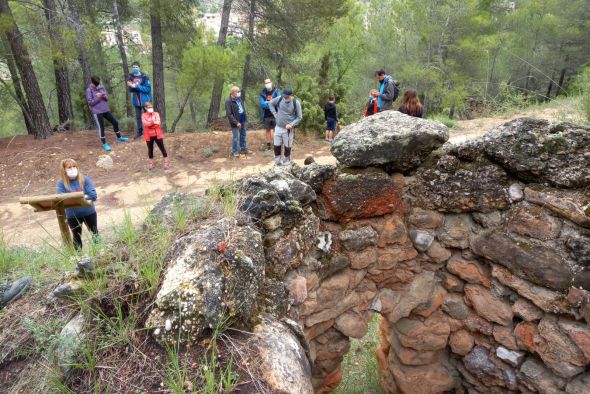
x=270 y=123
x=331 y=124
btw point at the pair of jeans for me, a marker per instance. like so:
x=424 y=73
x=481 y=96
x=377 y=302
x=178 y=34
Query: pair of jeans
x=239 y=137
x=76 y=227
x=138 y=112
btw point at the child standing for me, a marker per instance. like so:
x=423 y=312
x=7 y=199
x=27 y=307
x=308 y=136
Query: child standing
x=331 y=116
x=152 y=132
x=73 y=181
x=98 y=100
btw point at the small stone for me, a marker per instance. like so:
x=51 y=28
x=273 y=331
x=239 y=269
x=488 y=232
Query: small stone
x=438 y=253
x=272 y=223
x=105 y=162
x=579 y=385
x=359 y=239
x=488 y=306
x=425 y=219
x=516 y=192
x=461 y=342
x=512 y=357
x=421 y=239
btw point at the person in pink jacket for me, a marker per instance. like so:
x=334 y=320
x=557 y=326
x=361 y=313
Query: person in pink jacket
x=152 y=132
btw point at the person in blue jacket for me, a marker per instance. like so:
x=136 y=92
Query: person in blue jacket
x=73 y=181
x=141 y=91
x=268 y=93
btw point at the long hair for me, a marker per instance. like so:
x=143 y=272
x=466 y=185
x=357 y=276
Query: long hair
x=64 y=176
x=411 y=104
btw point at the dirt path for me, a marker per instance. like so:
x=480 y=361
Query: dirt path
x=29 y=167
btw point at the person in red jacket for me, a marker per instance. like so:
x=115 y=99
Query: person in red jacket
x=152 y=132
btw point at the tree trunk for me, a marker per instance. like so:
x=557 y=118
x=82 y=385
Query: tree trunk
x=548 y=94
x=182 y=106
x=121 y=46
x=19 y=96
x=218 y=85
x=158 y=62
x=246 y=75
x=560 y=88
x=62 y=81
x=193 y=110
x=35 y=102
x=82 y=52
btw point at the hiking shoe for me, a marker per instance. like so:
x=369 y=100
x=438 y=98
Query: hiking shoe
x=122 y=139
x=14 y=291
x=166 y=164
x=236 y=154
x=106 y=147
x=244 y=151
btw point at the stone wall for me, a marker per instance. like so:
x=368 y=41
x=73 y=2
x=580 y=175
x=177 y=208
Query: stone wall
x=476 y=257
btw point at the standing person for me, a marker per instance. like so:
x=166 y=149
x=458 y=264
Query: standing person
x=371 y=108
x=73 y=181
x=387 y=92
x=153 y=133
x=98 y=100
x=236 y=113
x=411 y=104
x=141 y=91
x=287 y=112
x=268 y=93
x=331 y=116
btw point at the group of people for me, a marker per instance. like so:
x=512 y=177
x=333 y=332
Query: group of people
x=382 y=99
x=148 y=121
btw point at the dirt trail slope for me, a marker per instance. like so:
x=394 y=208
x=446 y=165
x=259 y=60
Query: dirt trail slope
x=29 y=167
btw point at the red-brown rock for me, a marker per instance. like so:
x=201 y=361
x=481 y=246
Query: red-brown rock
x=470 y=271
x=488 y=306
x=461 y=342
x=579 y=333
x=527 y=336
x=359 y=260
x=505 y=336
x=362 y=193
x=533 y=221
x=394 y=232
x=425 y=219
x=526 y=310
x=430 y=334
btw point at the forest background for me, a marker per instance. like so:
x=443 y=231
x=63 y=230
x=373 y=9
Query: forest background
x=464 y=57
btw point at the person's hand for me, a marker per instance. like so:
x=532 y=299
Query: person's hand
x=239 y=125
x=288 y=127
x=129 y=83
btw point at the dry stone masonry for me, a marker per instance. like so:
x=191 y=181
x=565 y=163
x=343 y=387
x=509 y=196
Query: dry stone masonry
x=475 y=256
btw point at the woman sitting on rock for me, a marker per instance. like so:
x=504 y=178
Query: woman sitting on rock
x=411 y=104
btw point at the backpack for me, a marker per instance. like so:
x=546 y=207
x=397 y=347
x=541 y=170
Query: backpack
x=294 y=113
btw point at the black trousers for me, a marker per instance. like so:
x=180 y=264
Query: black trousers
x=76 y=227
x=160 y=143
x=99 y=119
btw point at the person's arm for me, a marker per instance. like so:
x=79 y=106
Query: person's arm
x=144 y=86
x=336 y=111
x=61 y=188
x=147 y=120
x=228 y=112
x=155 y=118
x=272 y=106
x=105 y=94
x=299 y=114
x=91 y=98
x=326 y=111
x=263 y=103
x=89 y=190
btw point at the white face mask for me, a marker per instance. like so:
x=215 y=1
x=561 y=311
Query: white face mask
x=72 y=172
x=268 y=86
x=150 y=110
x=238 y=94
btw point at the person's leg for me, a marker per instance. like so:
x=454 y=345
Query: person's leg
x=278 y=141
x=150 y=146
x=289 y=137
x=243 y=143
x=99 y=120
x=76 y=227
x=160 y=143
x=92 y=224
x=109 y=116
x=268 y=138
x=234 y=140
x=139 y=132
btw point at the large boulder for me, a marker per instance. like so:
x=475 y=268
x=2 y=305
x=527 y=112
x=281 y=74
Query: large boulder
x=537 y=151
x=212 y=273
x=392 y=139
x=174 y=206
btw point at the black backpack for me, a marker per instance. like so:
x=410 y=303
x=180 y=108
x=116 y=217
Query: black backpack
x=294 y=113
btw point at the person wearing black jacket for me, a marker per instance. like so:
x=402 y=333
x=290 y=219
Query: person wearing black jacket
x=331 y=117
x=236 y=114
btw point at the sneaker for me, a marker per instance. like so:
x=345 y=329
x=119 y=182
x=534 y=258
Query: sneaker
x=166 y=164
x=151 y=165
x=106 y=147
x=244 y=151
x=236 y=154
x=14 y=291
x=122 y=139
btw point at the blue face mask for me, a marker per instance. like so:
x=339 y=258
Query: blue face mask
x=135 y=70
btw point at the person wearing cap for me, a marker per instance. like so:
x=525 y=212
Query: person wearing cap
x=236 y=114
x=139 y=85
x=268 y=93
x=287 y=112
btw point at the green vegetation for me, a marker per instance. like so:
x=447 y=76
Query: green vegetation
x=361 y=373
